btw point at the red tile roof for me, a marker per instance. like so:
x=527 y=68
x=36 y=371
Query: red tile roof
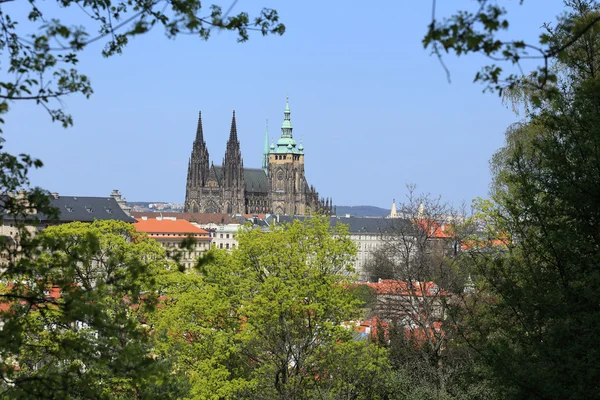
x=402 y=288
x=260 y=216
x=153 y=225
x=434 y=228
x=53 y=293
x=199 y=218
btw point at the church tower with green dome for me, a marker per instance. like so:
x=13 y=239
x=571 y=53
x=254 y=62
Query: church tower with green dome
x=287 y=183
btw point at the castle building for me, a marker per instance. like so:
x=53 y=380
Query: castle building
x=278 y=187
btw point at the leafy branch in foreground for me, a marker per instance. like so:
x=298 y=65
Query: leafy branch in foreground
x=479 y=32
x=41 y=65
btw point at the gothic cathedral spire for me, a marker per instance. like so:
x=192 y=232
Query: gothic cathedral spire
x=197 y=168
x=198 y=164
x=232 y=164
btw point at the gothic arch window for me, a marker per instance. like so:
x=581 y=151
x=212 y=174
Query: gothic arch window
x=212 y=207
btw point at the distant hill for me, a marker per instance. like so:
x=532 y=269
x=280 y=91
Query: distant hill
x=355 y=211
x=362 y=211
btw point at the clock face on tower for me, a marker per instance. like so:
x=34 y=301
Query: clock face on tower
x=280 y=175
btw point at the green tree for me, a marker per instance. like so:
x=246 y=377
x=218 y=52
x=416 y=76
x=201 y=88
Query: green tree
x=532 y=318
x=65 y=345
x=71 y=313
x=267 y=320
x=420 y=253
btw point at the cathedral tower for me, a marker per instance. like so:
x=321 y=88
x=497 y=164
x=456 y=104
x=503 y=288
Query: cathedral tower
x=197 y=168
x=287 y=184
x=233 y=173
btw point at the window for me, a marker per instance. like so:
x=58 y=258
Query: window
x=221 y=236
x=227 y=236
x=227 y=246
x=221 y=245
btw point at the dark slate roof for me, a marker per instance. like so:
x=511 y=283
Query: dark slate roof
x=356 y=225
x=88 y=209
x=363 y=225
x=255 y=179
x=84 y=209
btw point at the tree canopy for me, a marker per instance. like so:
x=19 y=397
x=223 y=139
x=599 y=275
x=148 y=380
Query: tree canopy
x=269 y=319
x=532 y=317
x=72 y=314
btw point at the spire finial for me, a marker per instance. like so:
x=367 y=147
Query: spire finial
x=233 y=131
x=286 y=127
x=199 y=133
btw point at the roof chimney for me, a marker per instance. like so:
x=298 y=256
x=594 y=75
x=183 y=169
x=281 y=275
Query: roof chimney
x=55 y=195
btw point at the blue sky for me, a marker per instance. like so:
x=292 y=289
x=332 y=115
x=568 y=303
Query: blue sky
x=373 y=109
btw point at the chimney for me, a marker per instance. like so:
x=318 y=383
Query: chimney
x=55 y=195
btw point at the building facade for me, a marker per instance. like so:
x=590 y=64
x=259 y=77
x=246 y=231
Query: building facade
x=278 y=187
x=170 y=232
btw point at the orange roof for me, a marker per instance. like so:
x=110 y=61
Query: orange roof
x=434 y=228
x=260 y=216
x=485 y=243
x=402 y=288
x=53 y=293
x=153 y=225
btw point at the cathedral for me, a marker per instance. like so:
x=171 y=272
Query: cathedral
x=279 y=187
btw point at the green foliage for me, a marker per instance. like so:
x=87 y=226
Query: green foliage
x=41 y=66
x=532 y=319
x=267 y=320
x=72 y=314
x=480 y=32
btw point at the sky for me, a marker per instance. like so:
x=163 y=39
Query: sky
x=373 y=109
